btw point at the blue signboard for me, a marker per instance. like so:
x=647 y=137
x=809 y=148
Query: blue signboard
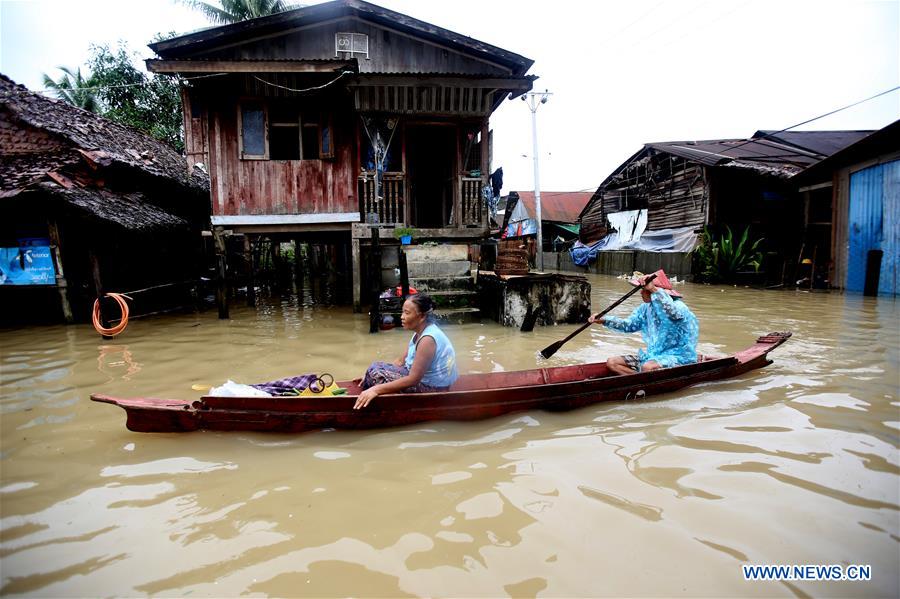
x=31 y=263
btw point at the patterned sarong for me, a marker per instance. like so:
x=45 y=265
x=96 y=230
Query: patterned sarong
x=384 y=372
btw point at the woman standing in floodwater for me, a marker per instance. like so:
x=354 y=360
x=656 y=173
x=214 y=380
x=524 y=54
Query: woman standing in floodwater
x=428 y=365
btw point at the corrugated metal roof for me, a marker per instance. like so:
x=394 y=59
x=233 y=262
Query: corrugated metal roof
x=307 y=15
x=761 y=154
x=824 y=143
x=882 y=141
x=557 y=206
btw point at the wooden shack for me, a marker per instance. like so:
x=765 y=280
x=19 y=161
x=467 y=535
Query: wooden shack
x=323 y=122
x=90 y=206
x=687 y=185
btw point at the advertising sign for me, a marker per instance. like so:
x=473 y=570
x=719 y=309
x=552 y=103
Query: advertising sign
x=31 y=263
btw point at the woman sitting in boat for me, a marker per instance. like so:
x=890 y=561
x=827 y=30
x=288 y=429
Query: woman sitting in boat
x=429 y=363
x=667 y=325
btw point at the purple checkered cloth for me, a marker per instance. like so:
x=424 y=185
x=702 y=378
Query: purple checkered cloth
x=286 y=386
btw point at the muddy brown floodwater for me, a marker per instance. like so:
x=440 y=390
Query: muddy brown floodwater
x=796 y=463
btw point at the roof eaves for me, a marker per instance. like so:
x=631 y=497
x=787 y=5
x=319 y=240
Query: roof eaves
x=130 y=211
x=336 y=9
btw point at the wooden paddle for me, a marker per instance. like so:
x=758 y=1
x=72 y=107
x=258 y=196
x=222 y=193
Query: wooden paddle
x=553 y=348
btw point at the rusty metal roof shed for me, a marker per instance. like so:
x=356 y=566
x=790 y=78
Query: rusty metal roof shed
x=557 y=206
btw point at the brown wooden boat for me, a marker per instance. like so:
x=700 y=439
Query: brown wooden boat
x=472 y=397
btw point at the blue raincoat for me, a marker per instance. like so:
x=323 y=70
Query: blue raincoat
x=668 y=327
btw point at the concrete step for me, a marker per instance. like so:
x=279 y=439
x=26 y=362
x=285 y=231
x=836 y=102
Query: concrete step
x=434 y=268
x=457 y=315
x=431 y=285
x=441 y=253
x=454 y=298
x=444 y=300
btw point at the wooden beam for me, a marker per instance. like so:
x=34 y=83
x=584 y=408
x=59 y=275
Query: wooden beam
x=364 y=231
x=156 y=65
x=61 y=284
x=321 y=218
x=98 y=290
x=221 y=273
x=508 y=83
x=357 y=282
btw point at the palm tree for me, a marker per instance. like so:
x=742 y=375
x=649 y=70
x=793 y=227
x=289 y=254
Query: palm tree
x=73 y=88
x=234 y=11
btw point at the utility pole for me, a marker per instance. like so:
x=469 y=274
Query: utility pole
x=534 y=100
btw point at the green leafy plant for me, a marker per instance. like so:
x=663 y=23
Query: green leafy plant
x=73 y=88
x=235 y=11
x=404 y=231
x=720 y=260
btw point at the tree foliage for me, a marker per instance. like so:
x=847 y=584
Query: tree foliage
x=73 y=88
x=234 y=11
x=128 y=95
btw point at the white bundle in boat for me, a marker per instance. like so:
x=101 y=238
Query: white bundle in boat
x=232 y=389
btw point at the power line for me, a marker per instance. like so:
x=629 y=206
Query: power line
x=116 y=86
x=308 y=89
x=614 y=36
x=702 y=27
x=822 y=116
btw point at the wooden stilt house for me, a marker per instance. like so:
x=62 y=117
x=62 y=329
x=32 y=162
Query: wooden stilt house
x=327 y=121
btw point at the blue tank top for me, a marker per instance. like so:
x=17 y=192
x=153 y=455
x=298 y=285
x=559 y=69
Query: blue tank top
x=442 y=371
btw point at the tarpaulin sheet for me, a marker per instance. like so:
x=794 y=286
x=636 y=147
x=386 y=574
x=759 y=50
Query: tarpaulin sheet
x=683 y=239
x=520 y=222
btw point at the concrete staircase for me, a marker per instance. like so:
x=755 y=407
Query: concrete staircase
x=445 y=273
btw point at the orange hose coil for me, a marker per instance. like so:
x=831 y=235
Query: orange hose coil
x=123 y=306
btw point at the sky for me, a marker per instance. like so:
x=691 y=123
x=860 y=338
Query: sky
x=622 y=73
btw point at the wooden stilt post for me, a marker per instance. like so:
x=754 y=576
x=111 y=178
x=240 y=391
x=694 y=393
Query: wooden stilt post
x=404 y=272
x=249 y=255
x=485 y=172
x=355 y=266
x=277 y=264
x=61 y=284
x=812 y=268
x=221 y=273
x=375 y=270
x=298 y=262
x=98 y=289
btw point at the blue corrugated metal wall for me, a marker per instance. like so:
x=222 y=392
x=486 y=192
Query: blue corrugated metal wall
x=874 y=224
x=890 y=226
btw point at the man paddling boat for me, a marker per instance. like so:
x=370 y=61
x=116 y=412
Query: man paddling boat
x=667 y=325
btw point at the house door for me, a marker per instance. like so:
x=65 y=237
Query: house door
x=431 y=166
x=874 y=227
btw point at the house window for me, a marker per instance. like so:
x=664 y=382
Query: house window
x=311 y=140
x=253 y=131
x=326 y=149
x=285 y=131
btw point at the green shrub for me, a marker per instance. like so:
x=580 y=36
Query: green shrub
x=720 y=260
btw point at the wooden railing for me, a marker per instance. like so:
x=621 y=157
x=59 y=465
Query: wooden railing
x=472 y=208
x=390 y=205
